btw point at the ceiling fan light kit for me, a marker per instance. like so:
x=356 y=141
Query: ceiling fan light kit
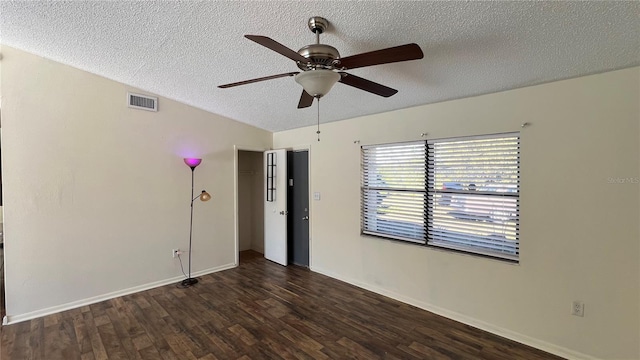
x=317 y=83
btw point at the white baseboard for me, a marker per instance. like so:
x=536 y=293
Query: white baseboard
x=12 y=319
x=497 y=330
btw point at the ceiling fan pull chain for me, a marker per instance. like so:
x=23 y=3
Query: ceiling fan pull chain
x=318 y=132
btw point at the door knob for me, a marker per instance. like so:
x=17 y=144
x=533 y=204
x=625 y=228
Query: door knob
x=305 y=218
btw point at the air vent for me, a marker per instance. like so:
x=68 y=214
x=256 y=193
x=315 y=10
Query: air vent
x=142 y=102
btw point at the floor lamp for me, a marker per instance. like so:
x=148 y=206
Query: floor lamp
x=204 y=196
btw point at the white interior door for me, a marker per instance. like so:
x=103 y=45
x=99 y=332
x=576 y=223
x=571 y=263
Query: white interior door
x=275 y=206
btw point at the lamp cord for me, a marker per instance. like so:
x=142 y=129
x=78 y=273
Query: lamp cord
x=318 y=132
x=179 y=285
x=182 y=268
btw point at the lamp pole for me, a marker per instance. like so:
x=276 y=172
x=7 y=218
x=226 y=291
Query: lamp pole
x=190 y=281
x=204 y=196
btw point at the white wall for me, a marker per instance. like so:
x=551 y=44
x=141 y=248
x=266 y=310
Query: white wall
x=97 y=194
x=579 y=232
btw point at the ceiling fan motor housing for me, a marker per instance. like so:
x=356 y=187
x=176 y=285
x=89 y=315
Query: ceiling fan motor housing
x=320 y=56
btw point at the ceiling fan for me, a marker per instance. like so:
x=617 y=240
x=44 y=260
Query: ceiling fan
x=322 y=65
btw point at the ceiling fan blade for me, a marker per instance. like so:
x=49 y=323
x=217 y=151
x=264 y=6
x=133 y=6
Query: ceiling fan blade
x=383 y=56
x=366 y=85
x=277 y=47
x=305 y=100
x=257 y=80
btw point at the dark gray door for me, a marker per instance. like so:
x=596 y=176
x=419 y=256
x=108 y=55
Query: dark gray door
x=298 y=207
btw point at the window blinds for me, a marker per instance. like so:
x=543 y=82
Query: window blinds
x=461 y=194
x=473 y=202
x=394 y=191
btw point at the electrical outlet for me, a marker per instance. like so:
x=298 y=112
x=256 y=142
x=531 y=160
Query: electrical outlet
x=175 y=253
x=577 y=308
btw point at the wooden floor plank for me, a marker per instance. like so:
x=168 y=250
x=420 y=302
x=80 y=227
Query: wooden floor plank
x=112 y=343
x=97 y=348
x=36 y=338
x=120 y=326
x=259 y=310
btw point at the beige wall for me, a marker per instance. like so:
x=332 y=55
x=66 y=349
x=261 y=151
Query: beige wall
x=579 y=232
x=97 y=194
x=250 y=201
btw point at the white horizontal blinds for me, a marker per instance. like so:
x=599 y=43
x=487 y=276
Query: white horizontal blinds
x=394 y=191
x=473 y=186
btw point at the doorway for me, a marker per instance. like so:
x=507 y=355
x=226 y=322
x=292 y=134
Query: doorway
x=250 y=194
x=261 y=202
x=298 y=207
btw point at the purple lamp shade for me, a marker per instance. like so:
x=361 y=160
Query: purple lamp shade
x=192 y=162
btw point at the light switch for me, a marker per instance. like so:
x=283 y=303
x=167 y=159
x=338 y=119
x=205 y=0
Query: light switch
x=316 y=196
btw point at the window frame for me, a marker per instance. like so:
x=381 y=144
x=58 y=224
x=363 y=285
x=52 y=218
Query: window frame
x=384 y=188
x=505 y=200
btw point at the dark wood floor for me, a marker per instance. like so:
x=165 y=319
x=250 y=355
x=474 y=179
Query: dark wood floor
x=259 y=310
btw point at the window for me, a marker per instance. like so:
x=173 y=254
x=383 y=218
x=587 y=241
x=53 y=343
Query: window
x=460 y=194
x=394 y=191
x=271 y=177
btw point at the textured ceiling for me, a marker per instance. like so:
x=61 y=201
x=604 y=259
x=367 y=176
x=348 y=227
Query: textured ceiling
x=183 y=50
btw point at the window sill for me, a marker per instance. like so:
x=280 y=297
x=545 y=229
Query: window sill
x=442 y=249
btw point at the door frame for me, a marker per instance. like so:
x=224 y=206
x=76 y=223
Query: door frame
x=307 y=148
x=237 y=148
x=236 y=231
